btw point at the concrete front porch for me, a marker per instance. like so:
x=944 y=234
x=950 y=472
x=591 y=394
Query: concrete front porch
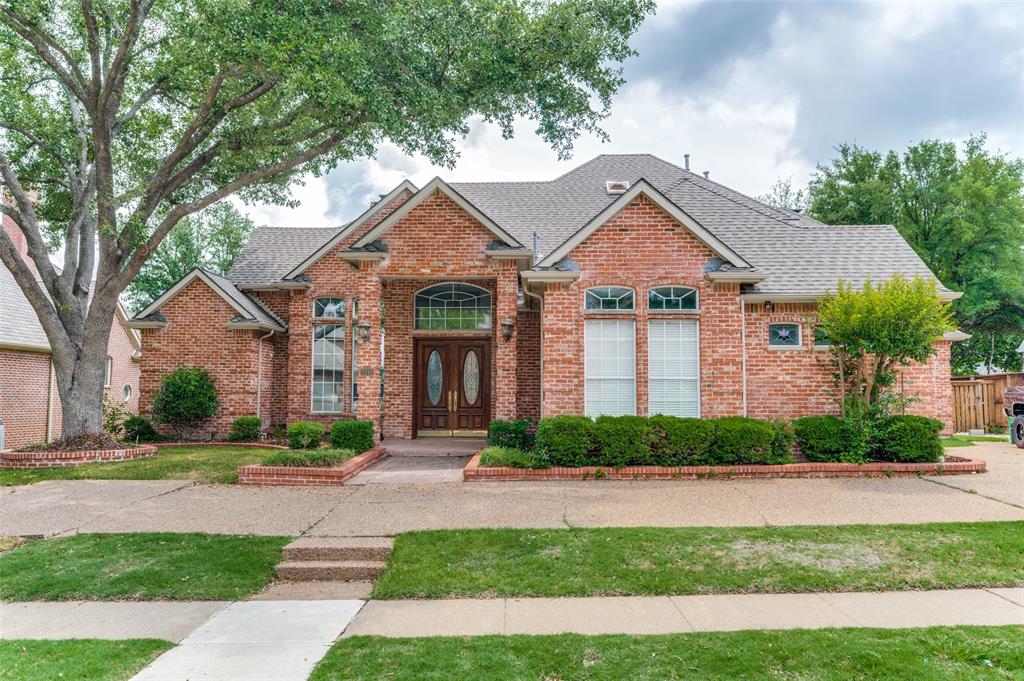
x=434 y=446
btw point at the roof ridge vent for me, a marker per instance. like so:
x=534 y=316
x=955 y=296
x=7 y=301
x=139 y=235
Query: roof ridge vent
x=616 y=186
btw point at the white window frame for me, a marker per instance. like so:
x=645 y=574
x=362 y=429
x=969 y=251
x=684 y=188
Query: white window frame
x=586 y=363
x=817 y=345
x=650 y=353
x=799 y=336
x=126 y=389
x=312 y=369
x=108 y=371
x=608 y=310
x=654 y=311
x=344 y=307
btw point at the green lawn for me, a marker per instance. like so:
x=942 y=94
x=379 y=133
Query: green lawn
x=702 y=560
x=202 y=464
x=953 y=653
x=969 y=440
x=77 y=660
x=139 y=566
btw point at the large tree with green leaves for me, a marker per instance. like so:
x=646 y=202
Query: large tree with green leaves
x=964 y=215
x=119 y=118
x=210 y=239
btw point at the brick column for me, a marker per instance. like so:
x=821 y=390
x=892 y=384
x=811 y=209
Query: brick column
x=368 y=359
x=563 y=352
x=505 y=352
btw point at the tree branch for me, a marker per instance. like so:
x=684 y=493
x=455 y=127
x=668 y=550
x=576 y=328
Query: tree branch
x=45 y=46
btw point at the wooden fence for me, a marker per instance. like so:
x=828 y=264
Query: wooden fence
x=978 y=401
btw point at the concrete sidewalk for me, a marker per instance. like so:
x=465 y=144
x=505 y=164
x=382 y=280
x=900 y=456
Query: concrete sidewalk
x=167 y=620
x=60 y=507
x=681 y=614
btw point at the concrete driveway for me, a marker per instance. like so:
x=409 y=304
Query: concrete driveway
x=58 y=507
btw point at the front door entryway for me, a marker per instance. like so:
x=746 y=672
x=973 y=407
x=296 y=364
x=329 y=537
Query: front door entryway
x=451 y=386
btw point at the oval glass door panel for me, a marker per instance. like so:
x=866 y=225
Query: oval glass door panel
x=471 y=377
x=434 y=376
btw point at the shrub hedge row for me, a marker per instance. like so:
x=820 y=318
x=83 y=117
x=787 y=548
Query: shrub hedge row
x=345 y=434
x=672 y=441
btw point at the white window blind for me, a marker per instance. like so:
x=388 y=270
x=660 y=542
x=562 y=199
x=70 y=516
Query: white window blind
x=610 y=359
x=673 y=367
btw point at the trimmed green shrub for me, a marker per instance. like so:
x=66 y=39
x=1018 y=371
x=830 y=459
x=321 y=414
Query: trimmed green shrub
x=741 y=440
x=245 y=429
x=565 y=440
x=509 y=456
x=679 y=441
x=827 y=438
x=186 y=397
x=782 y=441
x=305 y=435
x=512 y=434
x=622 y=441
x=352 y=434
x=139 y=429
x=908 y=439
x=309 y=457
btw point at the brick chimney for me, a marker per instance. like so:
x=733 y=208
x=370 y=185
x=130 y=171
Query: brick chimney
x=20 y=243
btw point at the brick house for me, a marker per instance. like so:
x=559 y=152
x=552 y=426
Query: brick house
x=29 y=402
x=627 y=285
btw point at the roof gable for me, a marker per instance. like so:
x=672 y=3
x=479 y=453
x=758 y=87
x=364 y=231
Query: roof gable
x=352 y=227
x=435 y=185
x=642 y=187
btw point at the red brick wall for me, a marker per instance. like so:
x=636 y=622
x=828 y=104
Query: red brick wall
x=528 y=365
x=196 y=335
x=125 y=371
x=24 y=381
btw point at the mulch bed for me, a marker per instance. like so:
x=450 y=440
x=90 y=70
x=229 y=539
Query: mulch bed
x=952 y=465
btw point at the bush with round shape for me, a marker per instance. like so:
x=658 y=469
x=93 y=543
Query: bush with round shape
x=677 y=441
x=511 y=434
x=186 y=398
x=305 y=435
x=309 y=457
x=782 y=442
x=139 y=429
x=245 y=429
x=908 y=439
x=742 y=440
x=352 y=434
x=622 y=441
x=827 y=439
x=565 y=440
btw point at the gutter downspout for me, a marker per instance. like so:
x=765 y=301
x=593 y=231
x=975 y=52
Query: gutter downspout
x=259 y=372
x=743 y=354
x=526 y=290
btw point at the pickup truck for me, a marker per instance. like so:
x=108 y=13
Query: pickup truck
x=1013 y=405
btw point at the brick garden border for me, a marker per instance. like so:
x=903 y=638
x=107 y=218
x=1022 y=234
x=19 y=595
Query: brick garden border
x=952 y=465
x=308 y=475
x=56 y=458
x=221 y=443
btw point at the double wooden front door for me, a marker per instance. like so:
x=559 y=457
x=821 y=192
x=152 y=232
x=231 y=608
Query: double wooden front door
x=451 y=385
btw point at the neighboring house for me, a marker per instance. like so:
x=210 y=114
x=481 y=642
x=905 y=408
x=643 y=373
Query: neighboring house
x=628 y=285
x=29 y=402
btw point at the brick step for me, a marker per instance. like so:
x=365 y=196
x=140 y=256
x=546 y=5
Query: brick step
x=330 y=570
x=338 y=548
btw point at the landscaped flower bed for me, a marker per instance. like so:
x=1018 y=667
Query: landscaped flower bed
x=665 y=447
x=308 y=475
x=53 y=458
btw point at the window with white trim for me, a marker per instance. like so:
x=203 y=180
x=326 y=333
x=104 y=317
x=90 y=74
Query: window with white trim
x=328 y=385
x=329 y=308
x=108 y=371
x=610 y=367
x=672 y=298
x=454 y=306
x=355 y=353
x=673 y=367
x=785 y=335
x=821 y=339
x=126 y=392
x=609 y=298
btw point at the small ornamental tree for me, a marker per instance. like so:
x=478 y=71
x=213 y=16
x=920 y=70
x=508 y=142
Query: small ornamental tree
x=876 y=330
x=186 y=398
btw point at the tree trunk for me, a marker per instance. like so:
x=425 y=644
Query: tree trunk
x=80 y=377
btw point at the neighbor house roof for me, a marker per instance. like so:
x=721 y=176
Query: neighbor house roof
x=794 y=255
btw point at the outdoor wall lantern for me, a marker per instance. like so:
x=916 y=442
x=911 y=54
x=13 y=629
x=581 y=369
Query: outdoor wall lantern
x=364 y=330
x=769 y=306
x=506 y=329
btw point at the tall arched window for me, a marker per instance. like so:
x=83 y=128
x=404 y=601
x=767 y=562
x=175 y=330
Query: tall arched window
x=453 y=306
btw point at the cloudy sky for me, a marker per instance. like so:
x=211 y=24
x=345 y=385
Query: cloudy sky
x=754 y=91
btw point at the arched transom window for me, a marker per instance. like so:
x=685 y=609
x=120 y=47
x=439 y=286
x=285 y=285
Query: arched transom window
x=453 y=306
x=672 y=298
x=609 y=298
x=329 y=308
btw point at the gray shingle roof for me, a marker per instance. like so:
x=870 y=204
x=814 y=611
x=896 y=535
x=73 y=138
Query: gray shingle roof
x=19 y=325
x=273 y=252
x=254 y=309
x=800 y=256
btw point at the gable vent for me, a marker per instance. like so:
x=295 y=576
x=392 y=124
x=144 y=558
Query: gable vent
x=616 y=186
